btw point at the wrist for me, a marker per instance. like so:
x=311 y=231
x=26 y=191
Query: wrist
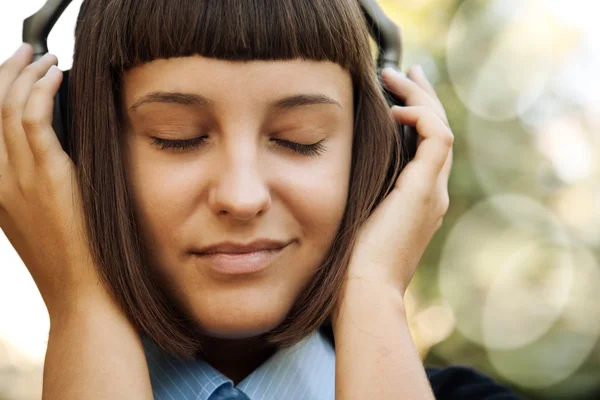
x=84 y=302
x=363 y=300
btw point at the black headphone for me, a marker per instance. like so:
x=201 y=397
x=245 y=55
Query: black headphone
x=386 y=34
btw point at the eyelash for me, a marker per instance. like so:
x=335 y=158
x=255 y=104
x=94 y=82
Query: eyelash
x=312 y=150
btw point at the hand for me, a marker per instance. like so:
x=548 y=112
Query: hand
x=392 y=241
x=40 y=200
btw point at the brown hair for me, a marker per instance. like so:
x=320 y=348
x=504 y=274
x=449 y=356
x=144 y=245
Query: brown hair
x=115 y=35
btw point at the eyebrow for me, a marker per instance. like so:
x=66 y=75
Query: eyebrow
x=189 y=99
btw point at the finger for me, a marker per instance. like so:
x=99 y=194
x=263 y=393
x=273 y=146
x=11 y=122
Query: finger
x=38 y=115
x=17 y=146
x=11 y=68
x=432 y=152
x=417 y=75
x=9 y=71
x=411 y=93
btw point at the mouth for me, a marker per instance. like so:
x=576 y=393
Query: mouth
x=240 y=263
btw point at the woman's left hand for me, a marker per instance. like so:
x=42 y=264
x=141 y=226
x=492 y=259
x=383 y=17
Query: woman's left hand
x=392 y=241
x=369 y=320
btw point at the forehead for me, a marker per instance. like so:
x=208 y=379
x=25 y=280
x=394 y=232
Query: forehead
x=235 y=82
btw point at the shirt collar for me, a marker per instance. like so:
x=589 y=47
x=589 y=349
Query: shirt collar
x=303 y=371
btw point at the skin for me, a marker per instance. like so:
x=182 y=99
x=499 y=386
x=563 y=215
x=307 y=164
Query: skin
x=239 y=185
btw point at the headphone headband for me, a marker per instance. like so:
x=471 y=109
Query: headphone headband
x=384 y=31
x=37 y=27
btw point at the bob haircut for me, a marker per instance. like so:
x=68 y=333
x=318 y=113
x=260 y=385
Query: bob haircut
x=112 y=36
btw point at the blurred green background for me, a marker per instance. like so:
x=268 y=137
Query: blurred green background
x=510 y=284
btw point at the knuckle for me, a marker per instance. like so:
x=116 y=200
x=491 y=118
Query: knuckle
x=448 y=138
x=32 y=119
x=32 y=122
x=10 y=109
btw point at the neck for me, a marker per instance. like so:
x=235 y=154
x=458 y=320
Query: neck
x=236 y=358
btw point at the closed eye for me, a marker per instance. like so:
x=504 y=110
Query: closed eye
x=311 y=150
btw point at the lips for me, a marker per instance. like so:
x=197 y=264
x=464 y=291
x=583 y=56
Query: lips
x=240 y=263
x=241 y=248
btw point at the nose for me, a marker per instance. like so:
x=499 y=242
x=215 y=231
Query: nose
x=240 y=190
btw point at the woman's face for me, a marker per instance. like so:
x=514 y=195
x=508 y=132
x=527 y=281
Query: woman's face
x=241 y=183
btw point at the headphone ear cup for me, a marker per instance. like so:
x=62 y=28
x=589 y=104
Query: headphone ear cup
x=60 y=121
x=408 y=134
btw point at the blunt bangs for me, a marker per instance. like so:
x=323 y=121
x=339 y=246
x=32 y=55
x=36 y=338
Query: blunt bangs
x=237 y=30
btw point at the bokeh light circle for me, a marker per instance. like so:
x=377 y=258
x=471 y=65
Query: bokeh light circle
x=559 y=353
x=500 y=62
x=494 y=252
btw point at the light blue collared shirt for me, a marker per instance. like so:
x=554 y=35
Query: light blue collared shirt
x=305 y=371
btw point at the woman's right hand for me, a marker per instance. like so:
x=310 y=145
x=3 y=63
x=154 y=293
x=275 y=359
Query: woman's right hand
x=40 y=199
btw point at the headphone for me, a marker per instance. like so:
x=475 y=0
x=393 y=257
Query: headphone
x=386 y=34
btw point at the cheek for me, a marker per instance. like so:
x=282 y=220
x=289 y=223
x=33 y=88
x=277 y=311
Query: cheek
x=317 y=200
x=321 y=187
x=323 y=203
x=163 y=199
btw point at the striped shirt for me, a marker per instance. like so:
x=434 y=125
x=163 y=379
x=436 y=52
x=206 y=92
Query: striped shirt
x=304 y=371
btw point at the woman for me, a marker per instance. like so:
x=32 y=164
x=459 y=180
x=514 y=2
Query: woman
x=234 y=190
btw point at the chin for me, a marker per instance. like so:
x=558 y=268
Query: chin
x=239 y=324
x=238 y=329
